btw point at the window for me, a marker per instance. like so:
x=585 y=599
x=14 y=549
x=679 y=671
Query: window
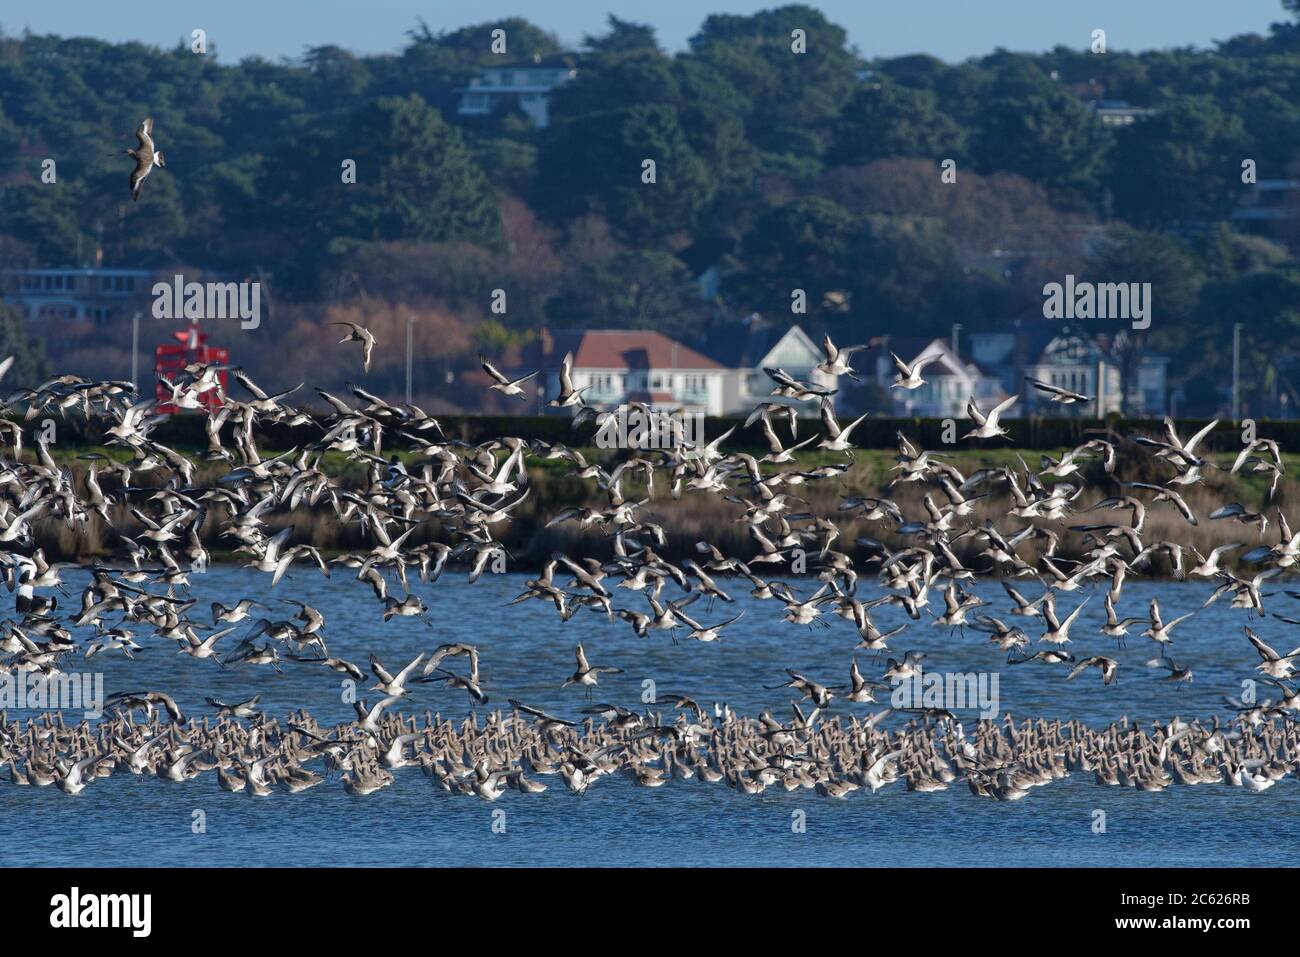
x=602 y=383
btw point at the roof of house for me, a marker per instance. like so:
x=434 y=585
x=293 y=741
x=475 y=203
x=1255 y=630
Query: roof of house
x=551 y=62
x=618 y=349
x=1035 y=333
x=743 y=345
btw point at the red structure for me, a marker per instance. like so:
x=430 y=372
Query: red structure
x=170 y=360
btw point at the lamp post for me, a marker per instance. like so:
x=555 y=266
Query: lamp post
x=1236 y=371
x=410 y=334
x=135 y=352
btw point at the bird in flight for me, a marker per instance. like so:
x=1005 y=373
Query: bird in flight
x=362 y=335
x=146 y=156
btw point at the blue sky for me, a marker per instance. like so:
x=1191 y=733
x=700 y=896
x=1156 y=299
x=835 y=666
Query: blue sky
x=950 y=29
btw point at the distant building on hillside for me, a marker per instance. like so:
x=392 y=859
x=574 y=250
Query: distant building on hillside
x=1271 y=207
x=618 y=366
x=1119 y=112
x=73 y=293
x=527 y=85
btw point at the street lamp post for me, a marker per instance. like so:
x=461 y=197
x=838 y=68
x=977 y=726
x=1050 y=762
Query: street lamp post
x=410 y=333
x=135 y=352
x=1236 y=371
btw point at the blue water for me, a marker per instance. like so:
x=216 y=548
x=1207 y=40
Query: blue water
x=527 y=653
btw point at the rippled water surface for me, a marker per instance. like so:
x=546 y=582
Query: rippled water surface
x=527 y=653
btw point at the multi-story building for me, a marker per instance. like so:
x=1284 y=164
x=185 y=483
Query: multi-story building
x=85 y=294
x=527 y=85
x=1069 y=355
x=620 y=366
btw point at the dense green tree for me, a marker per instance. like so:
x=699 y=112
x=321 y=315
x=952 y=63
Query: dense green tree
x=1181 y=165
x=885 y=120
x=597 y=164
x=809 y=245
x=622 y=36
x=859 y=275
x=646 y=290
x=1127 y=255
x=795 y=96
x=1028 y=124
x=616 y=81
x=414 y=180
x=46 y=219
x=30 y=366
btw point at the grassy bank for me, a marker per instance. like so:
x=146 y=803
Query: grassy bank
x=706 y=517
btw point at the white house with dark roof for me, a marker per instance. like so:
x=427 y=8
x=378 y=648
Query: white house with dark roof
x=618 y=366
x=745 y=350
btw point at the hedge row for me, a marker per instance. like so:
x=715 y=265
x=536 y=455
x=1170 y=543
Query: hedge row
x=187 y=431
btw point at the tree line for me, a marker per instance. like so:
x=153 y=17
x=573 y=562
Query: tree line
x=817 y=170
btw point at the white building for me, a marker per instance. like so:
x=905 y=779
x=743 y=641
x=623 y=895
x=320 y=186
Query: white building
x=527 y=85
x=1068 y=355
x=82 y=294
x=1077 y=364
x=756 y=344
x=1119 y=112
x=620 y=366
x=950 y=380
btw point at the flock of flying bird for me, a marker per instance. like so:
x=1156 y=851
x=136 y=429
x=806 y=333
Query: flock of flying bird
x=467 y=493
x=459 y=498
